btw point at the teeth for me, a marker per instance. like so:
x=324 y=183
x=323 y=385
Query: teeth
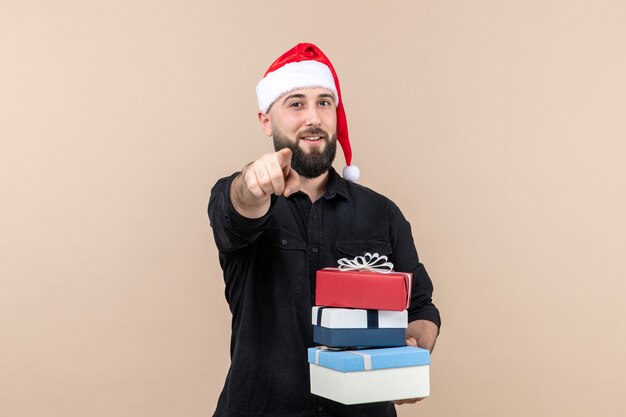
x=312 y=137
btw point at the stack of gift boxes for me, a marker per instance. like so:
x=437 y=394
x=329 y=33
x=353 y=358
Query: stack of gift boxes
x=360 y=319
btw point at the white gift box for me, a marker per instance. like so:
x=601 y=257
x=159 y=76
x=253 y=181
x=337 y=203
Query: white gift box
x=370 y=375
x=347 y=318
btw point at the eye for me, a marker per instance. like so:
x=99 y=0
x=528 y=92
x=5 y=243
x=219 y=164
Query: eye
x=295 y=105
x=326 y=103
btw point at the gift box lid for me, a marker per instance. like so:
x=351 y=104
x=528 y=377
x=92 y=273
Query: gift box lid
x=363 y=289
x=350 y=318
x=368 y=359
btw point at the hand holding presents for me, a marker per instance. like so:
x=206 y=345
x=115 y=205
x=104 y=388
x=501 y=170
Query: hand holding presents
x=410 y=341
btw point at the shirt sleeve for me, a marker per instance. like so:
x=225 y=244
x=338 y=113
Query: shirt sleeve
x=405 y=258
x=231 y=230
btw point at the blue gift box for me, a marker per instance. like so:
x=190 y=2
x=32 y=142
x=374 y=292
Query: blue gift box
x=359 y=337
x=370 y=375
x=369 y=359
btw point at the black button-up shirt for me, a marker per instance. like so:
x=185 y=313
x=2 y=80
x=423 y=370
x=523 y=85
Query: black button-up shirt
x=269 y=269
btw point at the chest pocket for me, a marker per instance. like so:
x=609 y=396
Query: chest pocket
x=352 y=248
x=282 y=263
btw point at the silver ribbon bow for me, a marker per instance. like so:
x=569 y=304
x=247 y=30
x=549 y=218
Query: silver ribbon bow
x=367 y=262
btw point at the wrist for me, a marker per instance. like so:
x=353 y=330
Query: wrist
x=244 y=202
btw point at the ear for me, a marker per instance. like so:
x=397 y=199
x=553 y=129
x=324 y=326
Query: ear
x=266 y=124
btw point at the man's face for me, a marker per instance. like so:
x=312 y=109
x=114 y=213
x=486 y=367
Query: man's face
x=305 y=121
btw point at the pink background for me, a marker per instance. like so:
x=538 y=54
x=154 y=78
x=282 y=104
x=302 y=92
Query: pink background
x=499 y=128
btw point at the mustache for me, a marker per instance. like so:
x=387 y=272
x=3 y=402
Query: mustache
x=314 y=131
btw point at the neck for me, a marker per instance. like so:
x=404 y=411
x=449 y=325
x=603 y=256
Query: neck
x=314 y=187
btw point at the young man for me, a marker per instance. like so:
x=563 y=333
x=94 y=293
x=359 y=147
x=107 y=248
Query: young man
x=282 y=218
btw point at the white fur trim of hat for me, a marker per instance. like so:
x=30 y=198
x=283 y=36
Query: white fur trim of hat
x=293 y=76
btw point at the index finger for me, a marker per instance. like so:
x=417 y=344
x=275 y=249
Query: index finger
x=284 y=159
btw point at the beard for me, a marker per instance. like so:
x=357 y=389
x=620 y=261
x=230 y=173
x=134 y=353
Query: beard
x=311 y=164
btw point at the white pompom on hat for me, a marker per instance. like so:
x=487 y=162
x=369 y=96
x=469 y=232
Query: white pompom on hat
x=306 y=66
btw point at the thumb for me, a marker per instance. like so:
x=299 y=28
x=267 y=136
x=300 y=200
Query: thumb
x=292 y=182
x=410 y=341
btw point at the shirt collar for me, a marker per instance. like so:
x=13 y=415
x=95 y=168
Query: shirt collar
x=336 y=185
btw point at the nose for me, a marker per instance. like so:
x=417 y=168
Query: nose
x=313 y=116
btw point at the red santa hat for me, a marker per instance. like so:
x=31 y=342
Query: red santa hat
x=306 y=66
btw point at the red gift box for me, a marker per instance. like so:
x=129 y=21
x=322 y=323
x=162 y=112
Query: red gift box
x=363 y=289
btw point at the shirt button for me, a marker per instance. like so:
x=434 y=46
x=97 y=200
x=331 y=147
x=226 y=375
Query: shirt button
x=284 y=242
x=314 y=250
x=320 y=408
